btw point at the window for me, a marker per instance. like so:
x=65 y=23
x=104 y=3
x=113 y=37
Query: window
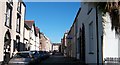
x=18 y=44
x=10 y=1
x=18 y=17
x=89 y=11
x=18 y=23
x=8 y=15
x=15 y=46
x=19 y=7
x=91 y=43
x=89 y=8
x=21 y=55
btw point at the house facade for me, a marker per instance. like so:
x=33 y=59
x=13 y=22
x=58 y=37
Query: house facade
x=45 y=43
x=89 y=33
x=42 y=42
x=99 y=39
x=37 y=42
x=55 y=47
x=27 y=36
x=85 y=35
x=48 y=45
x=111 y=41
x=32 y=33
x=91 y=40
x=12 y=23
x=64 y=44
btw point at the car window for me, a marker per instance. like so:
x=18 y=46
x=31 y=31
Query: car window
x=41 y=52
x=22 y=55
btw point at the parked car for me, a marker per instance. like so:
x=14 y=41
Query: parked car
x=21 y=58
x=35 y=54
x=51 y=53
x=41 y=55
x=46 y=54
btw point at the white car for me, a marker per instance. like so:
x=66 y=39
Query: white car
x=21 y=58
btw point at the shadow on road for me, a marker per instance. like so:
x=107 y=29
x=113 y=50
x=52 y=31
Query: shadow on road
x=56 y=59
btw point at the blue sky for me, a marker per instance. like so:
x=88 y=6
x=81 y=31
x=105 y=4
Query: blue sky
x=53 y=18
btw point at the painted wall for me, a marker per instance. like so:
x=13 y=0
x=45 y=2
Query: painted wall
x=89 y=21
x=22 y=25
x=12 y=31
x=32 y=38
x=110 y=40
x=26 y=37
x=45 y=43
x=37 y=42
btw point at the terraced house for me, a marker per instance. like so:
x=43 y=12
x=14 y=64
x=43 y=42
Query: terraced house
x=45 y=43
x=37 y=43
x=12 y=15
x=27 y=36
x=90 y=38
x=33 y=35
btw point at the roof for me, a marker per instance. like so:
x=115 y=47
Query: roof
x=26 y=26
x=29 y=23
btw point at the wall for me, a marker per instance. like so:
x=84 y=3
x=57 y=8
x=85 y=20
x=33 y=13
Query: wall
x=32 y=38
x=89 y=19
x=27 y=37
x=110 y=40
x=12 y=30
x=37 y=42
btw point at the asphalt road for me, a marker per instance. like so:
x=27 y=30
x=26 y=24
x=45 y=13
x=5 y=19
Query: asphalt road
x=58 y=59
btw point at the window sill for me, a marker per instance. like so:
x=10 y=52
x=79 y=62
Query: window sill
x=91 y=52
x=8 y=27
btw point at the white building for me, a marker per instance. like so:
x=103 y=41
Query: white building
x=90 y=30
x=37 y=43
x=45 y=43
x=111 y=41
x=27 y=36
x=55 y=46
x=48 y=45
x=96 y=41
x=12 y=24
x=33 y=34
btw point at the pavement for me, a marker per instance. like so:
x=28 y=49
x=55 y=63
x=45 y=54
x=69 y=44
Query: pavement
x=58 y=59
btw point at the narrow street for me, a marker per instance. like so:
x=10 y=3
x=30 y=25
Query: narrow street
x=78 y=32
x=58 y=59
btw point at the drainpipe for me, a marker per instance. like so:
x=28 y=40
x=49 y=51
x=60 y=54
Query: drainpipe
x=97 y=35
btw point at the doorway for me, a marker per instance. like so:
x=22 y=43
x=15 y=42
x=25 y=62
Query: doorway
x=82 y=44
x=7 y=47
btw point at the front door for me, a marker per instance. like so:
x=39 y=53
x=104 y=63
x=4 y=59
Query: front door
x=82 y=45
x=7 y=47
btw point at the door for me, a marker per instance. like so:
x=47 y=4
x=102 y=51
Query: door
x=82 y=45
x=7 y=47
